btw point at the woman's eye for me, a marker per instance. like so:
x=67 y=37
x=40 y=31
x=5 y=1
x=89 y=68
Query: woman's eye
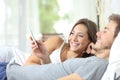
x=80 y=35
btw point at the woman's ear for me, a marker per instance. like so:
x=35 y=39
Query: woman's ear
x=89 y=48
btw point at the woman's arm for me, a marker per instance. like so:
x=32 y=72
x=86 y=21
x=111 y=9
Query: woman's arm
x=41 y=54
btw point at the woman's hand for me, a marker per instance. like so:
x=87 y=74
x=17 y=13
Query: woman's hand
x=40 y=51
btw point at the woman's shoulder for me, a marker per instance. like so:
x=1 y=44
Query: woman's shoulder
x=53 y=43
x=55 y=39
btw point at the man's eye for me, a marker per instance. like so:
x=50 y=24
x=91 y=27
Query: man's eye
x=104 y=31
x=71 y=33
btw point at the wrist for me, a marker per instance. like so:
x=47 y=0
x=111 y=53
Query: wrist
x=45 y=60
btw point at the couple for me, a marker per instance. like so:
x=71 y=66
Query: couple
x=91 y=68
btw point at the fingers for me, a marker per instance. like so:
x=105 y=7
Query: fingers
x=33 y=44
x=31 y=40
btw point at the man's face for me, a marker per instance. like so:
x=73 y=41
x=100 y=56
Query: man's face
x=105 y=38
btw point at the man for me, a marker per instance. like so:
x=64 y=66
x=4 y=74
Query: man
x=91 y=68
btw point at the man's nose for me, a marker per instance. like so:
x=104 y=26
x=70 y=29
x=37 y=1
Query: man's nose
x=98 y=34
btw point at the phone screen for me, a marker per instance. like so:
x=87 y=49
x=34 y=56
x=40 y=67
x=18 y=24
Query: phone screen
x=33 y=38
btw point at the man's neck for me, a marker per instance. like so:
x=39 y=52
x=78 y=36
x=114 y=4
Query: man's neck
x=103 y=53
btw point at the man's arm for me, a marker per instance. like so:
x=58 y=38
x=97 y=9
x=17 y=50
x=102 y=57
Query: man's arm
x=73 y=76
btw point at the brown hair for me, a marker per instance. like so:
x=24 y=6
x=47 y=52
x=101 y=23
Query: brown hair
x=92 y=30
x=115 y=18
x=91 y=26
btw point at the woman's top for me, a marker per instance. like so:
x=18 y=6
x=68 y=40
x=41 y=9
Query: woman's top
x=55 y=55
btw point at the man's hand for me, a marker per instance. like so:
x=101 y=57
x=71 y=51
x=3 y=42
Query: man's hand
x=73 y=76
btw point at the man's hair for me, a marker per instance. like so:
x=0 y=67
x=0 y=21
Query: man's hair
x=116 y=18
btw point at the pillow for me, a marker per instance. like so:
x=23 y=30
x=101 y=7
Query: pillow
x=6 y=54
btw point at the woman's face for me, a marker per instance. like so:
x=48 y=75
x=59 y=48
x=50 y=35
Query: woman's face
x=78 y=38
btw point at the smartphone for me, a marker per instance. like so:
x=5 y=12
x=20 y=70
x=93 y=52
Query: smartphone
x=33 y=37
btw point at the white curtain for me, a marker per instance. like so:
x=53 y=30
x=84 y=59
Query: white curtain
x=15 y=18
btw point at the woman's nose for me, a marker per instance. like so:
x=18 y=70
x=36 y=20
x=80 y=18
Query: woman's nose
x=74 y=38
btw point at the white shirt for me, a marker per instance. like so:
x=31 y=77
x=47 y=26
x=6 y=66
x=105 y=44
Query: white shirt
x=55 y=55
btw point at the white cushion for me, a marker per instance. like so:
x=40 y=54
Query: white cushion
x=6 y=54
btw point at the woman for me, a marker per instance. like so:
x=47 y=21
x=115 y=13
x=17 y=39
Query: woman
x=81 y=35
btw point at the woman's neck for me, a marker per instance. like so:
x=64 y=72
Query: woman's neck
x=71 y=54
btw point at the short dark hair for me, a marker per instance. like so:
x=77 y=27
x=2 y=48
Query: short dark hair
x=115 y=18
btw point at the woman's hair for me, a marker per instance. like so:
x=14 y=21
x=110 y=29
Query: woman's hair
x=91 y=26
x=92 y=30
x=116 y=18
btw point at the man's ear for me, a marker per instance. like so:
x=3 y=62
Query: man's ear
x=89 y=47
